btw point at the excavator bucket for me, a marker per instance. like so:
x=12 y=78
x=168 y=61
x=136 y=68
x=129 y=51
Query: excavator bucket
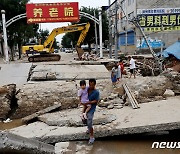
x=80 y=51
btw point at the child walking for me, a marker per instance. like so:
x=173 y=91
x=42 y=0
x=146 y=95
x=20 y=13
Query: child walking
x=83 y=97
x=114 y=76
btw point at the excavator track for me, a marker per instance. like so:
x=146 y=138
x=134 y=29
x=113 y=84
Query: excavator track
x=44 y=58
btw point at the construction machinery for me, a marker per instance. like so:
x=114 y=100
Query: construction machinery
x=45 y=52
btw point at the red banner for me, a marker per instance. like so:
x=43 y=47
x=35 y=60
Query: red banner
x=52 y=12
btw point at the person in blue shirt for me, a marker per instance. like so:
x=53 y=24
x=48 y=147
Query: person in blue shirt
x=93 y=95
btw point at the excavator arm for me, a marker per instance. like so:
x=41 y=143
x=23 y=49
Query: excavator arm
x=72 y=28
x=82 y=36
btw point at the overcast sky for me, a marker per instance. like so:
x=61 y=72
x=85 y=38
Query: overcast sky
x=86 y=3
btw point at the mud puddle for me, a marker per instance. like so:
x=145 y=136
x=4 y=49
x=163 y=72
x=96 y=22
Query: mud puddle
x=13 y=124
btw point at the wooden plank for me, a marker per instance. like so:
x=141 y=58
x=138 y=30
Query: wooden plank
x=135 y=101
x=129 y=96
x=35 y=115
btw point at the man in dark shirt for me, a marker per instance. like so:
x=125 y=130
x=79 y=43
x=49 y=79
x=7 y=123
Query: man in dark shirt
x=93 y=95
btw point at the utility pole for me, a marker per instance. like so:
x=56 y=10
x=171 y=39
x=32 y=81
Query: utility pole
x=116 y=32
x=157 y=60
x=126 y=36
x=100 y=32
x=110 y=32
x=5 y=36
x=96 y=46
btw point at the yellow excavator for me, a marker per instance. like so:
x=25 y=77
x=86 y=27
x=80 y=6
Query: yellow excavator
x=45 y=52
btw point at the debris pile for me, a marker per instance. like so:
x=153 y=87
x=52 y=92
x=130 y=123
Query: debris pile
x=174 y=77
x=112 y=101
x=148 y=89
x=7 y=92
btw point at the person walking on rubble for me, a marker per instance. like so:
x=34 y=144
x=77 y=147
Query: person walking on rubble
x=118 y=76
x=132 y=67
x=94 y=96
x=114 y=73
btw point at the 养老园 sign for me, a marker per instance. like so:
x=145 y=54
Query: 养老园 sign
x=52 y=12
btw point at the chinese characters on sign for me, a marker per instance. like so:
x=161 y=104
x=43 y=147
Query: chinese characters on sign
x=161 y=21
x=52 y=12
x=68 y=11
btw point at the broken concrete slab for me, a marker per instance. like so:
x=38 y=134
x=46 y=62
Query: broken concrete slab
x=62 y=147
x=71 y=72
x=71 y=118
x=14 y=73
x=156 y=116
x=41 y=76
x=10 y=142
x=78 y=147
x=46 y=110
x=38 y=96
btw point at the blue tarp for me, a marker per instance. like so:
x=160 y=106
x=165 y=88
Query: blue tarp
x=174 y=50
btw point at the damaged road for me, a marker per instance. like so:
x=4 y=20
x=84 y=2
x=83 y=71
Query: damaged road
x=128 y=121
x=10 y=143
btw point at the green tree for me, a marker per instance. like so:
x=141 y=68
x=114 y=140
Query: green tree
x=42 y=36
x=90 y=38
x=18 y=32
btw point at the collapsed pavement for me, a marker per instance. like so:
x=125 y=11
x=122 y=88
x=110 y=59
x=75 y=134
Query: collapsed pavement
x=127 y=121
x=11 y=143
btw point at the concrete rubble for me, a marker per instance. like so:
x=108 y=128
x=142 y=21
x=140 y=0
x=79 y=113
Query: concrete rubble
x=78 y=147
x=33 y=116
x=41 y=76
x=69 y=72
x=174 y=77
x=72 y=119
x=148 y=89
x=128 y=121
x=37 y=96
x=6 y=94
x=10 y=143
